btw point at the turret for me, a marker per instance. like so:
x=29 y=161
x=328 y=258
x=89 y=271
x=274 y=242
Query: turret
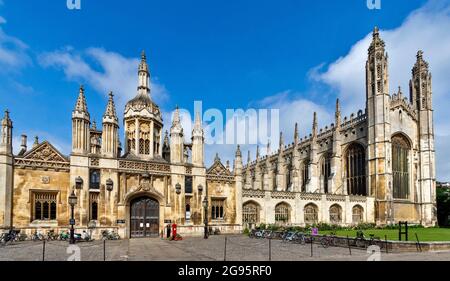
x=110 y=133
x=6 y=172
x=197 y=142
x=80 y=126
x=176 y=139
x=6 y=135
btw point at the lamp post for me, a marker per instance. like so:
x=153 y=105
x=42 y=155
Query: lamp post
x=72 y=202
x=178 y=191
x=205 y=207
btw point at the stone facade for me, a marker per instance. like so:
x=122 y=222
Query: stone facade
x=375 y=166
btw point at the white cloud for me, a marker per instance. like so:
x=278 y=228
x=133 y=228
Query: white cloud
x=425 y=29
x=293 y=109
x=117 y=73
x=13 y=52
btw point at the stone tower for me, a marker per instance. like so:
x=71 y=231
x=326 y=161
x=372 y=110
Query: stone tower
x=176 y=139
x=421 y=97
x=110 y=133
x=143 y=119
x=238 y=167
x=80 y=126
x=379 y=130
x=6 y=172
x=197 y=142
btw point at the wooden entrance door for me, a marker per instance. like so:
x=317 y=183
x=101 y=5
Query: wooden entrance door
x=144 y=221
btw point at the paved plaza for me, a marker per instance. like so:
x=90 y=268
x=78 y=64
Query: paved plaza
x=238 y=248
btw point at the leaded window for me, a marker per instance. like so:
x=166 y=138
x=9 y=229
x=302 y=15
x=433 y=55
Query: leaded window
x=400 y=169
x=357 y=213
x=94 y=179
x=305 y=175
x=217 y=209
x=356 y=170
x=335 y=214
x=250 y=213
x=45 y=205
x=311 y=214
x=282 y=211
x=326 y=171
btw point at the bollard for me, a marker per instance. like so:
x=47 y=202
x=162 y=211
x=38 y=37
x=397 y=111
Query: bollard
x=225 y=250
x=418 y=243
x=386 y=242
x=270 y=249
x=43 y=250
x=104 y=250
x=349 y=247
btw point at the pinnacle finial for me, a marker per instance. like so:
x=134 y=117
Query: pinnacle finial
x=6 y=114
x=257 y=152
x=111 y=108
x=419 y=55
x=376 y=31
x=281 y=141
x=238 y=151
x=143 y=55
x=217 y=158
x=81 y=104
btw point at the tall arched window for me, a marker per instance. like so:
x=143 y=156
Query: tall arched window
x=335 y=214
x=325 y=171
x=282 y=211
x=311 y=214
x=358 y=213
x=250 y=214
x=400 y=169
x=305 y=175
x=356 y=170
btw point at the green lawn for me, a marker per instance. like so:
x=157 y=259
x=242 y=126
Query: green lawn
x=425 y=234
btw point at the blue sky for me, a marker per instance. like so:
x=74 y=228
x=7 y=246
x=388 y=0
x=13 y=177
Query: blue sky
x=228 y=54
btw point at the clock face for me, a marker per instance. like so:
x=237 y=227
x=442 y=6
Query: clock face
x=131 y=128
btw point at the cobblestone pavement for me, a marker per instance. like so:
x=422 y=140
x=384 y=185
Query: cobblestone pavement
x=239 y=248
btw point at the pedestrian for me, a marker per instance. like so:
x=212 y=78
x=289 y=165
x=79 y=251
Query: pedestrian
x=168 y=231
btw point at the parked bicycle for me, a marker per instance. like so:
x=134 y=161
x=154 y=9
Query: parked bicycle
x=110 y=235
x=327 y=241
x=37 y=236
x=52 y=235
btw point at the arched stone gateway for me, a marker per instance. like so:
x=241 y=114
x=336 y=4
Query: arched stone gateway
x=144 y=217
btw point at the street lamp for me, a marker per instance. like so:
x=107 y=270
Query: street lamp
x=200 y=188
x=72 y=202
x=79 y=183
x=205 y=206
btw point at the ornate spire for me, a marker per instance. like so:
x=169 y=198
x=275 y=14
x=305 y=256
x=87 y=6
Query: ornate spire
x=338 y=114
x=144 y=79
x=268 y=151
x=238 y=151
x=36 y=141
x=81 y=105
x=296 y=136
x=166 y=139
x=315 y=126
x=94 y=125
x=197 y=131
x=176 y=117
x=217 y=158
x=6 y=120
x=111 y=108
x=421 y=64
x=281 y=141
x=377 y=42
x=257 y=152
x=249 y=159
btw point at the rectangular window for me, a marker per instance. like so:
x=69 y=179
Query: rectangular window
x=45 y=205
x=188 y=184
x=94 y=179
x=217 y=209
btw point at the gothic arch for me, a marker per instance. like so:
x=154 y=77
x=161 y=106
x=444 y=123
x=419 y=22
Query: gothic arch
x=335 y=214
x=250 y=212
x=311 y=212
x=357 y=214
x=283 y=213
x=401 y=171
x=325 y=171
x=355 y=169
